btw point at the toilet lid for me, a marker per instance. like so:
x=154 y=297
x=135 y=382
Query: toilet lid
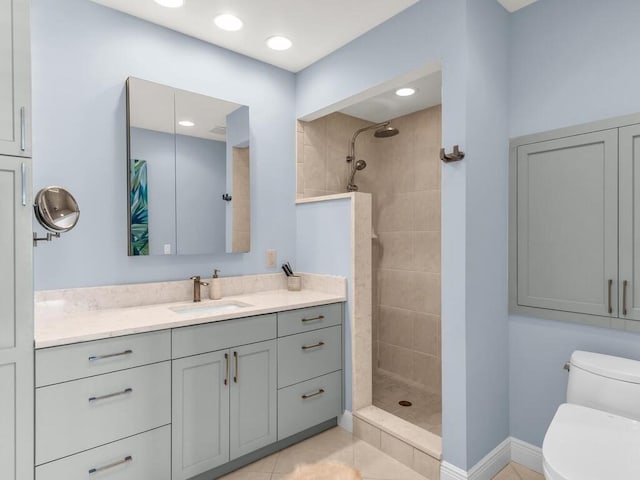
x=587 y=444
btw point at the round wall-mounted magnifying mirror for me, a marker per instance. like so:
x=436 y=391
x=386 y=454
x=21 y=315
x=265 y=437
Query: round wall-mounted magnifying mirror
x=56 y=209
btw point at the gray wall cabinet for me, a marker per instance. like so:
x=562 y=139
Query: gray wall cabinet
x=16 y=320
x=15 y=78
x=573 y=219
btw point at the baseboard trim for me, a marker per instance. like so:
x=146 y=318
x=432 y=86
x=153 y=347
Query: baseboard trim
x=451 y=472
x=526 y=454
x=346 y=421
x=510 y=450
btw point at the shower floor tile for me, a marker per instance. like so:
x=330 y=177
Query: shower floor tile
x=425 y=411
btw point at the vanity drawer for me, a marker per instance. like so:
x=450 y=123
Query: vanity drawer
x=308 y=355
x=144 y=456
x=309 y=403
x=86 y=413
x=80 y=360
x=306 y=319
x=187 y=341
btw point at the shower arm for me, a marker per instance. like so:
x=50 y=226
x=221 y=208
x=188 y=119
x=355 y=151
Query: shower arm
x=352 y=146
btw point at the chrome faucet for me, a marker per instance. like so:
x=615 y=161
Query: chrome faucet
x=196 y=287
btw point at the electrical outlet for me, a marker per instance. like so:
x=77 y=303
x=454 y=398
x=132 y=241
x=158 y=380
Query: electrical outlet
x=271 y=258
x=167 y=249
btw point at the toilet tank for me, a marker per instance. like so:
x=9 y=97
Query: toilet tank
x=604 y=382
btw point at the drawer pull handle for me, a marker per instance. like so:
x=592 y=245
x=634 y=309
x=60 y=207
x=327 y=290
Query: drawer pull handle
x=315 y=345
x=311 y=395
x=624 y=297
x=610 y=283
x=23 y=128
x=236 y=376
x=226 y=374
x=126 y=459
x=93 y=358
x=319 y=317
x=111 y=395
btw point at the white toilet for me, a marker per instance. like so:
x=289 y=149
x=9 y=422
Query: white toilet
x=596 y=434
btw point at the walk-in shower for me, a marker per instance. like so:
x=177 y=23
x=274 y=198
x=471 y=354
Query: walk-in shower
x=383 y=130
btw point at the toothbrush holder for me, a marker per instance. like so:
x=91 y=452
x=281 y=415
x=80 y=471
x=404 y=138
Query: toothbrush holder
x=294 y=283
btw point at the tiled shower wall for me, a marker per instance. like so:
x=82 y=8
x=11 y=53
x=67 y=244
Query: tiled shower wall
x=403 y=175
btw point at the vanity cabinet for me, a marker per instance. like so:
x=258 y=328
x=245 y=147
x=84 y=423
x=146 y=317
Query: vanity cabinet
x=16 y=320
x=574 y=224
x=112 y=390
x=189 y=401
x=224 y=402
x=15 y=79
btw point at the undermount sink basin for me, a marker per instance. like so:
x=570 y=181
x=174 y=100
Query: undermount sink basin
x=218 y=307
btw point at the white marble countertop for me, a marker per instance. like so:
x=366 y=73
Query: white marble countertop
x=56 y=327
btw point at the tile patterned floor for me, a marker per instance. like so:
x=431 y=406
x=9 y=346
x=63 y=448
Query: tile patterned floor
x=425 y=411
x=340 y=446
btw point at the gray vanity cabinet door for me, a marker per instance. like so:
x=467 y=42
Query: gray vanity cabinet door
x=630 y=222
x=200 y=414
x=15 y=65
x=567 y=227
x=16 y=321
x=253 y=397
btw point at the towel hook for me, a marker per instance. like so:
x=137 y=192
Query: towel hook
x=452 y=157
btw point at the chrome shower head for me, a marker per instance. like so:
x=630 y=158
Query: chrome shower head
x=361 y=165
x=386 y=131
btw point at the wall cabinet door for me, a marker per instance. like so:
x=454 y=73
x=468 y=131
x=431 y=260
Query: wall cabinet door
x=567 y=224
x=200 y=414
x=253 y=420
x=629 y=268
x=16 y=321
x=15 y=78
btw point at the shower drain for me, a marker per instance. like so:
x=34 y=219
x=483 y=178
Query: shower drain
x=405 y=403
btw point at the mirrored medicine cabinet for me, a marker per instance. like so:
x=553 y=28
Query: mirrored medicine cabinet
x=188 y=172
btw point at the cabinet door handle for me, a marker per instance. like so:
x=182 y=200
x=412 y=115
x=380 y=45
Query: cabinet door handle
x=23 y=126
x=610 y=285
x=315 y=345
x=319 y=317
x=126 y=459
x=23 y=170
x=226 y=374
x=311 y=395
x=624 y=297
x=235 y=377
x=111 y=395
x=93 y=358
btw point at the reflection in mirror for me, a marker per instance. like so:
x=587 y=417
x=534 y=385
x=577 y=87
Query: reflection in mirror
x=181 y=170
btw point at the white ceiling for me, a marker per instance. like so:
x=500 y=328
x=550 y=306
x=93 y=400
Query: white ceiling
x=316 y=28
x=388 y=105
x=513 y=5
x=152 y=107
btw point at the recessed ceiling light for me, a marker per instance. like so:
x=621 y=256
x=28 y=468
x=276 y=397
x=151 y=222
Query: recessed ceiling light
x=228 y=22
x=278 y=42
x=170 y=3
x=405 y=92
x=186 y=123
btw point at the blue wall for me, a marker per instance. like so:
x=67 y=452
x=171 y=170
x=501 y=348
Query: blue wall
x=572 y=62
x=82 y=54
x=468 y=39
x=323 y=244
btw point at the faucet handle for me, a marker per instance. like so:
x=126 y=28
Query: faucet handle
x=204 y=284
